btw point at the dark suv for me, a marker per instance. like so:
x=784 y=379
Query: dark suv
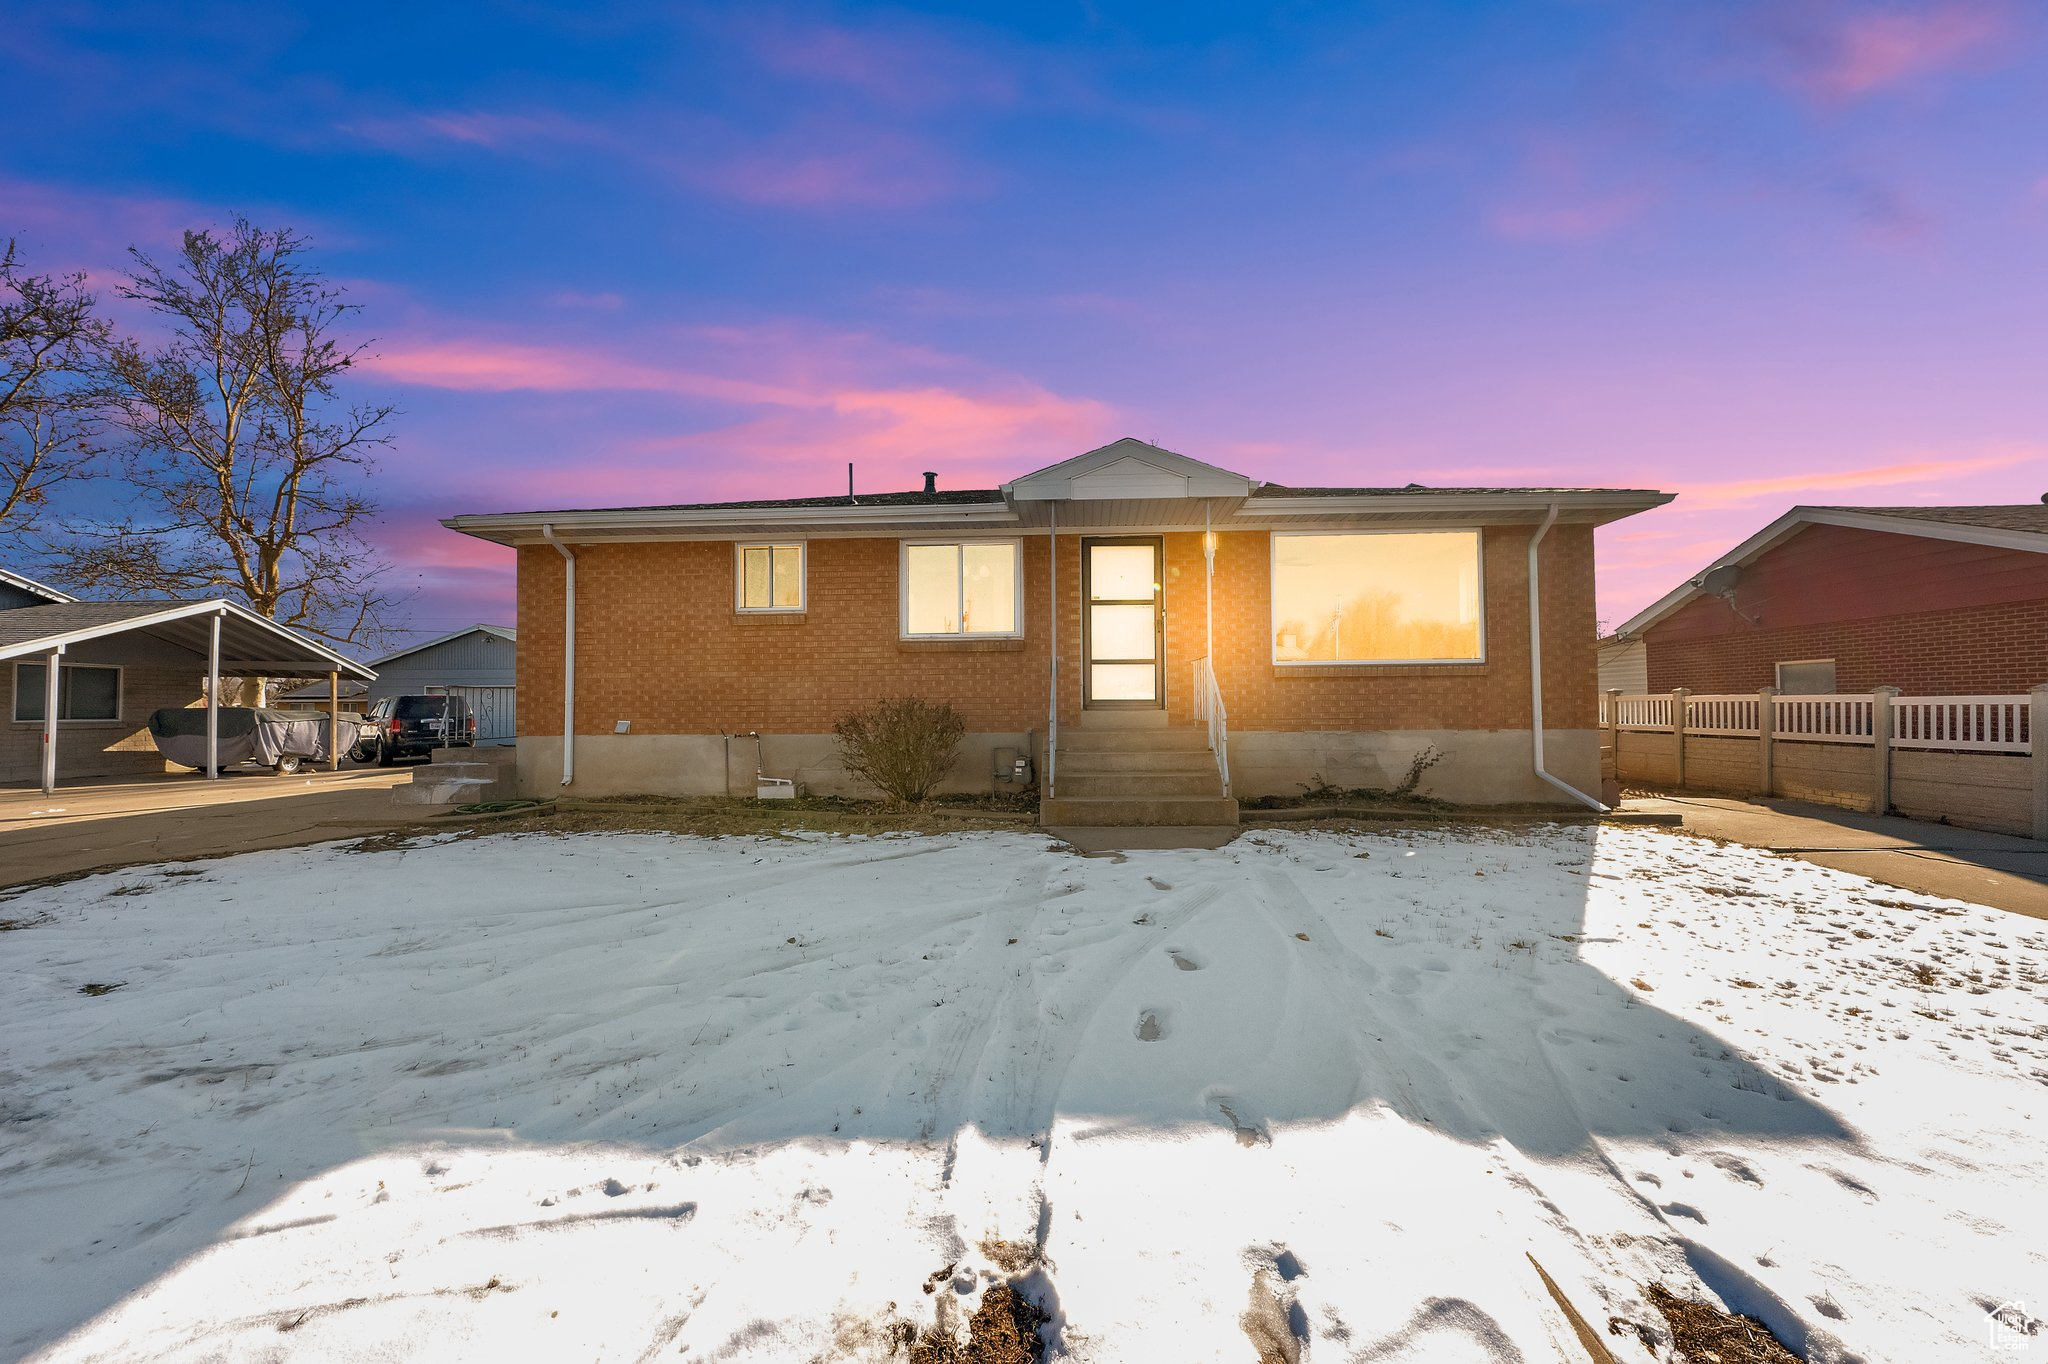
x=413 y=727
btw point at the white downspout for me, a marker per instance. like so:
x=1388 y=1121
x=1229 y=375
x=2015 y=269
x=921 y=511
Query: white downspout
x=1536 y=671
x=1052 y=596
x=547 y=533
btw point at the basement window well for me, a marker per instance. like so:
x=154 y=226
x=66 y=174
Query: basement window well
x=771 y=577
x=1377 y=597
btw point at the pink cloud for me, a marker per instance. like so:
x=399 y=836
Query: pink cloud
x=766 y=404
x=1558 y=194
x=1842 y=50
x=1874 y=51
x=1880 y=476
x=900 y=66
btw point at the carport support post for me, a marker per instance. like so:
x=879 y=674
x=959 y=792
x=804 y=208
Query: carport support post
x=1881 y=741
x=1678 y=718
x=51 y=662
x=334 y=722
x=1766 y=737
x=2037 y=737
x=213 y=698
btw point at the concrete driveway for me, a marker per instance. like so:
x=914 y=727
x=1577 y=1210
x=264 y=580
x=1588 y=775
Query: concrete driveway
x=116 y=822
x=1934 y=859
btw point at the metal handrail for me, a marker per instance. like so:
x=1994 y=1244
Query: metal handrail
x=1052 y=733
x=1209 y=710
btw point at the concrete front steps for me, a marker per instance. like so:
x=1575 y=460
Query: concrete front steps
x=1129 y=767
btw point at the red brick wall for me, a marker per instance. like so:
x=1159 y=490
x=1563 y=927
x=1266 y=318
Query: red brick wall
x=658 y=643
x=1931 y=617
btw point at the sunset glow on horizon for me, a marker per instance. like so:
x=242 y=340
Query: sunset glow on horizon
x=1757 y=254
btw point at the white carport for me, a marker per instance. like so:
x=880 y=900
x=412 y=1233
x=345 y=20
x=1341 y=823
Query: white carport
x=223 y=637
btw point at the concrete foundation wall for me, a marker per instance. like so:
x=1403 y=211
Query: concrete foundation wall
x=1971 y=790
x=1479 y=767
x=1826 y=774
x=713 y=765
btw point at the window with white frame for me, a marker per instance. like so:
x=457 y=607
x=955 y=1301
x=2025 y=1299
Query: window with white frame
x=771 y=577
x=1806 y=677
x=84 y=692
x=960 y=588
x=1377 y=597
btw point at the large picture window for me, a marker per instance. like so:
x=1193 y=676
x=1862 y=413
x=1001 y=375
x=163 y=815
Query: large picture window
x=958 y=589
x=83 y=692
x=771 y=577
x=1377 y=597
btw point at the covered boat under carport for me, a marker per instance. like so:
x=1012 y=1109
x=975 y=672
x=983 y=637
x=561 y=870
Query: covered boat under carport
x=219 y=637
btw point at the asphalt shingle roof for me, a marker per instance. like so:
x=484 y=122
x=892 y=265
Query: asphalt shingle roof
x=2024 y=516
x=25 y=623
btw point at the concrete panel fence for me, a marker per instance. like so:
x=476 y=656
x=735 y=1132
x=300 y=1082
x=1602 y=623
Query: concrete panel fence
x=1968 y=760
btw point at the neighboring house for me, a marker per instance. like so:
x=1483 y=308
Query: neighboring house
x=1937 y=601
x=1624 y=665
x=115 y=663
x=477 y=663
x=1350 y=628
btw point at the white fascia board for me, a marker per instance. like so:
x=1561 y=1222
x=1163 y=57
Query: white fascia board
x=524 y=524
x=1535 y=503
x=184 y=611
x=34 y=588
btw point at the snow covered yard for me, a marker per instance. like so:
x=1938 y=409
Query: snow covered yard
x=1309 y=1097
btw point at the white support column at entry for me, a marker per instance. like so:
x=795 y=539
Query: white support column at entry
x=51 y=662
x=1208 y=589
x=334 y=722
x=213 y=697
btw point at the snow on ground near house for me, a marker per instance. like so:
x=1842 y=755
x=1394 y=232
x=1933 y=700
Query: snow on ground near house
x=1307 y=1097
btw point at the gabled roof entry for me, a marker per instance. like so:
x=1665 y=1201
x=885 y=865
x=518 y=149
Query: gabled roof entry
x=1127 y=468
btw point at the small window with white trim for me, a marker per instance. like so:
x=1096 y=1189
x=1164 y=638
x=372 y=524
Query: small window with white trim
x=1807 y=677
x=771 y=577
x=84 y=692
x=958 y=588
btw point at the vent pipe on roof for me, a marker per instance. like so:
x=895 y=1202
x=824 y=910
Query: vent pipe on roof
x=931 y=481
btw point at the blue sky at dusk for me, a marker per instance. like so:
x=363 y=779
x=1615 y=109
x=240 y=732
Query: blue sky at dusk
x=1756 y=252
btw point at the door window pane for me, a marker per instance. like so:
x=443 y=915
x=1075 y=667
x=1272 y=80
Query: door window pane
x=1120 y=573
x=1376 y=598
x=1121 y=682
x=1121 y=632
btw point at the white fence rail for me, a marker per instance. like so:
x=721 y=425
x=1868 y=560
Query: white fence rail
x=1721 y=714
x=1643 y=712
x=1824 y=719
x=1966 y=724
x=1960 y=724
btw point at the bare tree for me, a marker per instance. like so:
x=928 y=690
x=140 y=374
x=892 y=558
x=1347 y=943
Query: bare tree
x=51 y=345
x=248 y=470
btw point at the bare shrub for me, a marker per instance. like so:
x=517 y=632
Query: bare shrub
x=904 y=747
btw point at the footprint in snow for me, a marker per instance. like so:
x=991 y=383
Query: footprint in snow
x=612 y=1188
x=1149 y=1029
x=1157 y=884
x=1182 y=961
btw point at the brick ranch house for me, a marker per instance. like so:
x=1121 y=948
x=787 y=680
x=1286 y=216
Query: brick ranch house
x=1155 y=635
x=1936 y=601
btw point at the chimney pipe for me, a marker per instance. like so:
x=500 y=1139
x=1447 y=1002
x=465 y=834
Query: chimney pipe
x=931 y=481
